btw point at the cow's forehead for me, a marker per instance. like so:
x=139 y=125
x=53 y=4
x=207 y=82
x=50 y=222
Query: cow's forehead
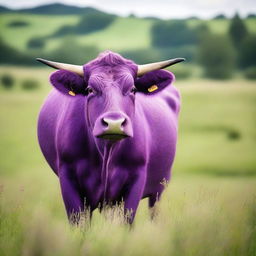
x=108 y=75
x=111 y=67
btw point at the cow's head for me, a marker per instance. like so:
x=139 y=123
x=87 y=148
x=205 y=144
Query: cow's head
x=109 y=85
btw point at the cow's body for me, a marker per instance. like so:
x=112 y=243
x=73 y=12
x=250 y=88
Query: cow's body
x=92 y=170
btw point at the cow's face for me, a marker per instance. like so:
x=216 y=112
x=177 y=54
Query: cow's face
x=111 y=102
x=110 y=87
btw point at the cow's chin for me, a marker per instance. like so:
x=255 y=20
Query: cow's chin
x=112 y=137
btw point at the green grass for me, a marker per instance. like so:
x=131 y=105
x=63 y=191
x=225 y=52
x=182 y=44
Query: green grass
x=218 y=119
x=221 y=26
x=207 y=209
x=39 y=25
x=115 y=37
x=123 y=34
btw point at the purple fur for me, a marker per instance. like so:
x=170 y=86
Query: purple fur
x=66 y=81
x=92 y=170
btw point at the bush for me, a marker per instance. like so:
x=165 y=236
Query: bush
x=18 y=23
x=30 y=84
x=36 y=42
x=250 y=73
x=7 y=81
x=217 y=56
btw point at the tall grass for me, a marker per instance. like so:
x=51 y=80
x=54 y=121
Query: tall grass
x=209 y=208
x=197 y=216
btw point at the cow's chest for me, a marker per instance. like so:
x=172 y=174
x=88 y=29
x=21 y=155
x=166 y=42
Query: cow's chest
x=92 y=186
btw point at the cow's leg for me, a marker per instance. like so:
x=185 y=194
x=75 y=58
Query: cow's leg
x=133 y=195
x=152 y=204
x=71 y=195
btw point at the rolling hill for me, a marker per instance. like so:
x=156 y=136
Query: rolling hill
x=52 y=9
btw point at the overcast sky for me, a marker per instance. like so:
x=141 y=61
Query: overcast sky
x=159 y=8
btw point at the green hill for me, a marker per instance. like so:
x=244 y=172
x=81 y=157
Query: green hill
x=52 y=9
x=122 y=35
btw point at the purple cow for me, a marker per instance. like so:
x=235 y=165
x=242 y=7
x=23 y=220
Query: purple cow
x=108 y=129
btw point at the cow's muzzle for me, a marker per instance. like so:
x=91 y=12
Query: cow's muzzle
x=113 y=126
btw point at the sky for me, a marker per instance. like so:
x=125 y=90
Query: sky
x=158 y=8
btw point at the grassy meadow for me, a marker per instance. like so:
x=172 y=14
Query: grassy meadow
x=209 y=208
x=115 y=36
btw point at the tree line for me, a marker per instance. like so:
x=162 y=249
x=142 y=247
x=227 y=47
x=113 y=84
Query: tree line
x=218 y=54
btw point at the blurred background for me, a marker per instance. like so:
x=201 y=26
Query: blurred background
x=209 y=208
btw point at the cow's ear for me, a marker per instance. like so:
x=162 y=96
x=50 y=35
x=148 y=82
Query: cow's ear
x=154 y=82
x=68 y=82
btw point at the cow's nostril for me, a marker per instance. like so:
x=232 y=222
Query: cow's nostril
x=104 y=122
x=123 y=123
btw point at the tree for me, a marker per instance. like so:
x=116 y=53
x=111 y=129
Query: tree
x=93 y=22
x=220 y=17
x=172 y=33
x=216 y=54
x=247 y=52
x=9 y=55
x=237 y=31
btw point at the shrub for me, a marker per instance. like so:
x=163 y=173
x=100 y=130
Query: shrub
x=30 y=84
x=36 y=42
x=250 y=73
x=7 y=81
x=18 y=23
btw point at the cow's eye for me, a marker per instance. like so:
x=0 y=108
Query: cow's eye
x=134 y=90
x=90 y=90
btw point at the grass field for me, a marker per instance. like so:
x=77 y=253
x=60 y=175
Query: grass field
x=39 y=25
x=122 y=34
x=209 y=208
